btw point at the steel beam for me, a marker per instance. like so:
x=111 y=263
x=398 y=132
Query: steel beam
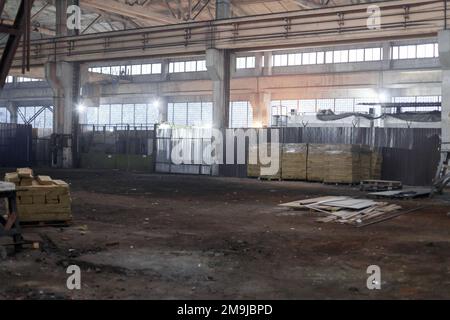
x=15 y=32
x=2 y=5
x=401 y=19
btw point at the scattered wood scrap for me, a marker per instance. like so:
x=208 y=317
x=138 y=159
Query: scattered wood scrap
x=344 y=210
x=403 y=194
x=388 y=217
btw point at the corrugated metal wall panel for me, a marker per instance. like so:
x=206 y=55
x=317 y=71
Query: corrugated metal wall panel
x=410 y=155
x=15 y=145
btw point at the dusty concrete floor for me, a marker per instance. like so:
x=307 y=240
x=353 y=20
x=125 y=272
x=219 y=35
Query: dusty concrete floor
x=178 y=237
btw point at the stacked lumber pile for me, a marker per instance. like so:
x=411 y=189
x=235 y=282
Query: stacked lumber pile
x=342 y=164
x=347 y=164
x=376 y=165
x=40 y=199
x=254 y=163
x=365 y=163
x=328 y=163
x=23 y=177
x=294 y=159
x=253 y=169
x=344 y=209
x=318 y=162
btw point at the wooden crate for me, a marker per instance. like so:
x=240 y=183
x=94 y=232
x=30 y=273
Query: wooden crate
x=294 y=158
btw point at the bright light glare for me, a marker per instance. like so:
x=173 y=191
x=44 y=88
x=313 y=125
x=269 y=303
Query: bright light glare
x=383 y=96
x=164 y=126
x=156 y=103
x=81 y=108
x=257 y=125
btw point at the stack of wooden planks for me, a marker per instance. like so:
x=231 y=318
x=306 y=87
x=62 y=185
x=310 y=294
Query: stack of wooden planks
x=254 y=163
x=344 y=210
x=376 y=165
x=41 y=199
x=347 y=164
x=318 y=162
x=294 y=159
x=253 y=167
x=328 y=163
x=22 y=177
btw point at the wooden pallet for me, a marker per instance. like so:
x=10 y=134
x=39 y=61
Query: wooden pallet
x=344 y=184
x=269 y=178
x=45 y=224
x=380 y=185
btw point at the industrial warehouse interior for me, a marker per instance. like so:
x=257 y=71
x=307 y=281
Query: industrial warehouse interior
x=224 y=150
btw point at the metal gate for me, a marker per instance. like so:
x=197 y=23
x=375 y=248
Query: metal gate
x=42 y=153
x=193 y=141
x=15 y=145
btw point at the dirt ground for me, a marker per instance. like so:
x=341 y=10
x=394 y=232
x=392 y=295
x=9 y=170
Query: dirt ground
x=141 y=236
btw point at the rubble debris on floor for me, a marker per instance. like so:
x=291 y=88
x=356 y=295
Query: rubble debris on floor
x=40 y=199
x=344 y=209
x=190 y=237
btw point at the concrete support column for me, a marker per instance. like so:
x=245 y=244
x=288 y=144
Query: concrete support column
x=267 y=69
x=60 y=76
x=65 y=80
x=165 y=69
x=218 y=65
x=223 y=9
x=163 y=110
x=444 y=56
x=13 y=113
x=259 y=63
x=261 y=103
x=387 y=60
